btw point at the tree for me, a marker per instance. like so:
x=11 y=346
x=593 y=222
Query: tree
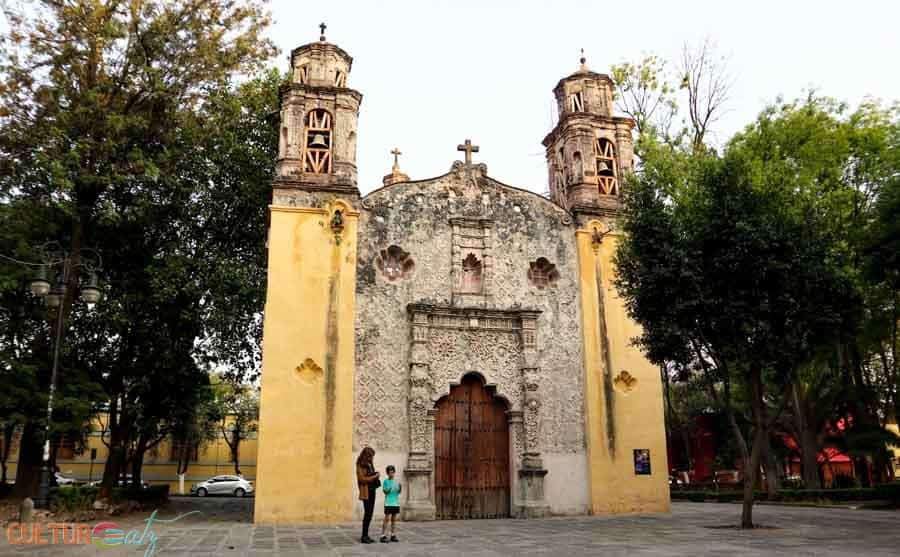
x=843 y=164
x=729 y=271
x=705 y=80
x=193 y=427
x=645 y=93
x=237 y=414
x=97 y=102
x=648 y=93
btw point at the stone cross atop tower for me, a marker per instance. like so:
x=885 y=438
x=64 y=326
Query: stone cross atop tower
x=396 y=174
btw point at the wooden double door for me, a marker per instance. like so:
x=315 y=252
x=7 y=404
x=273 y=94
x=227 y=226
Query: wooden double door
x=471 y=453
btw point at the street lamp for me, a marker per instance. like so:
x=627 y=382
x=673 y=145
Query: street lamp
x=40 y=286
x=65 y=267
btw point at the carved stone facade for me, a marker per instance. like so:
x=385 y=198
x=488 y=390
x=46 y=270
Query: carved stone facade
x=418 y=337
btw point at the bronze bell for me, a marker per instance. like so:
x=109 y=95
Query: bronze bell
x=602 y=167
x=318 y=140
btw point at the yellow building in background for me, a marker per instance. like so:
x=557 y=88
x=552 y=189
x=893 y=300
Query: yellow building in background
x=893 y=428
x=212 y=458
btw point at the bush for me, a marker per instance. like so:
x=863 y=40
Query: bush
x=152 y=495
x=843 y=481
x=891 y=492
x=72 y=498
x=729 y=496
x=886 y=492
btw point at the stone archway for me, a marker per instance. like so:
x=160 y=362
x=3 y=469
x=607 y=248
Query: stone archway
x=502 y=345
x=471 y=453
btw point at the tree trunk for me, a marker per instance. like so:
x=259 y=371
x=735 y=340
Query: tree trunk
x=686 y=441
x=31 y=454
x=760 y=437
x=116 y=451
x=8 y=432
x=770 y=466
x=809 y=460
x=235 y=446
x=807 y=440
x=751 y=473
x=745 y=456
x=861 y=467
x=137 y=462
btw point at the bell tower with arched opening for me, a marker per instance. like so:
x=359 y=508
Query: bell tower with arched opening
x=306 y=401
x=587 y=153
x=589 y=148
x=317 y=132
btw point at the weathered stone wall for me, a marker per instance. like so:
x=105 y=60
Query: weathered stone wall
x=416 y=217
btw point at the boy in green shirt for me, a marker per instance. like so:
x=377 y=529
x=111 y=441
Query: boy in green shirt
x=392 y=490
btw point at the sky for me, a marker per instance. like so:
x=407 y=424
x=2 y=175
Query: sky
x=435 y=73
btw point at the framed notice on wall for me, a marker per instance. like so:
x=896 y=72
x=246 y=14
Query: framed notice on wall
x=642 y=462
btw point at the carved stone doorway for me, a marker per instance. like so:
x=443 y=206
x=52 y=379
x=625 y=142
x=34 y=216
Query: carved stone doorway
x=471 y=452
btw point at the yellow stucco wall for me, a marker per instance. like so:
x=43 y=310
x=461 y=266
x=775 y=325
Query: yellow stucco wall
x=637 y=405
x=305 y=462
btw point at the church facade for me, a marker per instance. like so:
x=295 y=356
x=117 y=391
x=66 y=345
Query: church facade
x=467 y=330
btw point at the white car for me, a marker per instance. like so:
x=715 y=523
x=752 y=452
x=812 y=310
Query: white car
x=62 y=480
x=223 y=485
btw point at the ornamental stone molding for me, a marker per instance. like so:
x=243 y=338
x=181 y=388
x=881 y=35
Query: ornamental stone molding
x=447 y=343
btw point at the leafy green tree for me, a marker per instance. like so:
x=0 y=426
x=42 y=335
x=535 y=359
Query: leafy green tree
x=99 y=107
x=646 y=93
x=728 y=269
x=841 y=164
x=237 y=414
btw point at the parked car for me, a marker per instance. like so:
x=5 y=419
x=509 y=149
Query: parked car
x=62 y=480
x=223 y=485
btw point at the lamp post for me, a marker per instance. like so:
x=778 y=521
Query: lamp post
x=62 y=264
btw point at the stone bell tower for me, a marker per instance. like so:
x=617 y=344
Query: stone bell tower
x=589 y=148
x=305 y=461
x=587 y=153
x=319 y=113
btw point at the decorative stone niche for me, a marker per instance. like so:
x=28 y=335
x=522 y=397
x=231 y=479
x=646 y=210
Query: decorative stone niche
x=625 y=382
x=308 y=371
x=542 y=273
x=472 y=261
x=394 y=264
x=471 y=278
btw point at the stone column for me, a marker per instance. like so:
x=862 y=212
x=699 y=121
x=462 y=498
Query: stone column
x=531 y=474
x=419 y=465
x=516 y=449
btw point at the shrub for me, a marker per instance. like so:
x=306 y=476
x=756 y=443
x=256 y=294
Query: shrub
x=890 y=492
x=152 y=495
x=72 y=498
x=843 y=481
x=886 y=492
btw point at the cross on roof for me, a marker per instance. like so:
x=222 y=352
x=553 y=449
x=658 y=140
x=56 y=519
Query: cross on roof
x=469 y=149
x=322 y=28
x=396 y=152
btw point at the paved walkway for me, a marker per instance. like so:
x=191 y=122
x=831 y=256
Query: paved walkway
x=691 y=529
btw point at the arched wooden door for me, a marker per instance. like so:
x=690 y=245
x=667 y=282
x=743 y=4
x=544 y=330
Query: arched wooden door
x=471 y=453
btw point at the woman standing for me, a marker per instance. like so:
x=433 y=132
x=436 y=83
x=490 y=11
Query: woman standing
x=368 y=481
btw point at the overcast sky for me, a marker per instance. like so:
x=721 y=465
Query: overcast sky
x=435 y=73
